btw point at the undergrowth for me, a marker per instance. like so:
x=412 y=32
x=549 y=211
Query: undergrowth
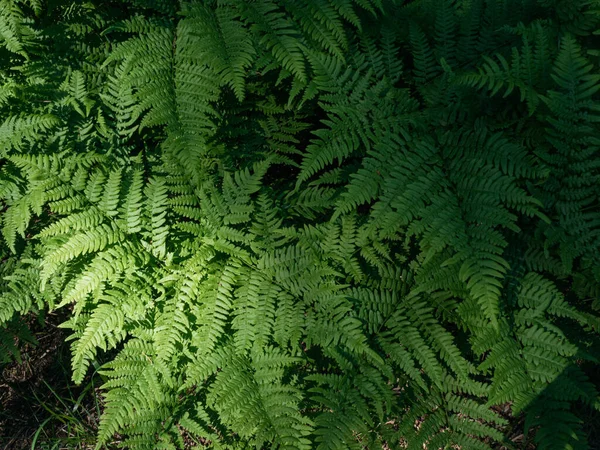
x=308 y=224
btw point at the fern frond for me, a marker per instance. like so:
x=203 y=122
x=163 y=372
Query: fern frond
x=15 y=130
x=79 y=244
x=223 y=40
x=157 y=206
x=103 y=330
x=277 y=34
x=134 y=388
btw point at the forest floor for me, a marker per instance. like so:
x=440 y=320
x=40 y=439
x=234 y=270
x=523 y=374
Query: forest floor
x=40 y=407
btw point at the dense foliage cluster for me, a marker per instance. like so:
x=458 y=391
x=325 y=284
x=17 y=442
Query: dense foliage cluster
x=301 y=224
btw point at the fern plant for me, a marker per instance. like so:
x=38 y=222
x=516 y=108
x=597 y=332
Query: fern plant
x=309 y=224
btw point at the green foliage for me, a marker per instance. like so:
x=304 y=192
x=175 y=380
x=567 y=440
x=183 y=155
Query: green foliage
x=309 y=224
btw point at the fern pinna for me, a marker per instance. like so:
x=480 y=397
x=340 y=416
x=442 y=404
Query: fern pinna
x=310 y=224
